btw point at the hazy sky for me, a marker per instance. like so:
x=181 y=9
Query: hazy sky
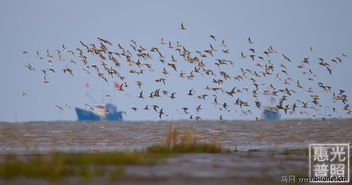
x=291 y=27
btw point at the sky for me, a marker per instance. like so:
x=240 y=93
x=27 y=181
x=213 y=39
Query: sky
x=291 y=27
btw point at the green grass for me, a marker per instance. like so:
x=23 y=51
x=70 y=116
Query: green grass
x=306 y=151
x=183 y=148
x=55 y=166
x=295 y=152
x=288 y=152
x=120 y=158
x=85 y=165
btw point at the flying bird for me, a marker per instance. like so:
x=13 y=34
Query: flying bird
x=182 y=27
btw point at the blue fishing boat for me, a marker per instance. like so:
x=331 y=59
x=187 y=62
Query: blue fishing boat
x=271 y=113
x=99 y=112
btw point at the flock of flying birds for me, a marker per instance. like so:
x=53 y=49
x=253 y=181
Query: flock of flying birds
x=226 y=84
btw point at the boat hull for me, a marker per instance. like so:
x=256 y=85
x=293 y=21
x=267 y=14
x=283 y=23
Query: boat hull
x=111 y=115
x=271 y=114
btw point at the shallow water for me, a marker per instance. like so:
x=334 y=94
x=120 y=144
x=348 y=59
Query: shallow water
x=38 y=137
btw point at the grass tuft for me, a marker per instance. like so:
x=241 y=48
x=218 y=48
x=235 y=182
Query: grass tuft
x=186 y=142
x=287 y=152
x=85 y=165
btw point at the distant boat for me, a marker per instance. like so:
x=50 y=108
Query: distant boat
x=271 y=113
x=101 y=112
